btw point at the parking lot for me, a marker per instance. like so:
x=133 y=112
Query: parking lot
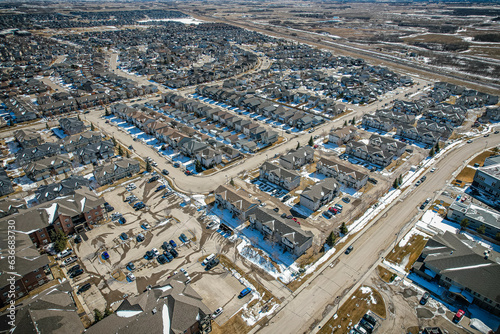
x=105 y=252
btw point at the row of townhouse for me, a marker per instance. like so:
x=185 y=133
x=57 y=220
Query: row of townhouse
x=44 y=168
x=341 y=136
x=379 y=151
x=346 y=175
x=297 y=158
x=115 y=170
x=319 y=194
x=251 y=129
x=286 y=178
x=250 y=102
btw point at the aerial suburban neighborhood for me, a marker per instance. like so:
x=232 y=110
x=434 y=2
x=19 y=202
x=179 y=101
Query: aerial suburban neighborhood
x=249 y=167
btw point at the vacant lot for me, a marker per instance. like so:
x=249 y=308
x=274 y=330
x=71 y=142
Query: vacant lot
x=405 y=256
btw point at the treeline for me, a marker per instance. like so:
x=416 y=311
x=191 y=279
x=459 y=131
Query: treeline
x=487 y=38
x=452 y=47
x=443 y=29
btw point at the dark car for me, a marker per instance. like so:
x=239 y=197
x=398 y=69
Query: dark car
x=161 y=259
x=153 y=179
x=124 y=236
x=76 y=273
x=165 y=172
x=122 y=220
x=149 y=255
x=370 y=319
x=212 y=264
x=78 y=239
x=166 y=246
x=183 y=238
x=109 y=208
x=327 y=214
x=276 y=209
x=366 y=325
x=83 y=288
x=348 y=250
x=140 y=237
x=174 y=252
x=424 y=298
x=74 y=268
x=346 y=200
x=160 y=188
x=283 y=215
x=172 y=243
x=131 y=266
x=176 y=165
x=286 y=198
x=168 y=256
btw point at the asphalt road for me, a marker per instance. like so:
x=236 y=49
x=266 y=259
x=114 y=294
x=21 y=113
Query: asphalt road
x=302 y=311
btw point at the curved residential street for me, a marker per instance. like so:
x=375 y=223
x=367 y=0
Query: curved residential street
x=308 y=305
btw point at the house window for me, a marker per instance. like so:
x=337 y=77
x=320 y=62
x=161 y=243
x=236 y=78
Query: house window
x=42 y=236
x=68 y=225
x=35 y=271
x=38 y=276
x=58 y=223
x=66 y=220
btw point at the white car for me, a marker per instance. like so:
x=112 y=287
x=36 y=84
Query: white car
x=64 y=253
x=155 y=251
x=183 y=271
x=217 y=312
x=131 y=276
x=433 y=169
x=69 y=260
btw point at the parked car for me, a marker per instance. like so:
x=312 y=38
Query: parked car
x=458 y=316
x=64 y=253
x=424 y=298
x=166 y=246
x=153 y=179
x=109 y=208
x=183 y=238
x=327 y=214
x=370 y=319
x=160 y=188
x=208 y=259
x=83 y=288
x=69 y=260
x=172 y=243
x=176 y=165
x=162 y=259
x=73 y=269
x=210 y=225
x=348 y=250
x=131 y=277
x=174 y=252
x=187 y=172
x=244 y=292
x=286 y=198
x=145 y=226
x=283 y=215
x=140 y=237
x=122 y=220
x=346 y=200
x=168 y=255
x=105 y=255
x=276 y=209
x=76 y=273
x=149 y=255
x=130 y=266
x=78 y=239
x=155 y=252
x=124 y=236
x=217 y=312
x=214 y=262
x=165 y=172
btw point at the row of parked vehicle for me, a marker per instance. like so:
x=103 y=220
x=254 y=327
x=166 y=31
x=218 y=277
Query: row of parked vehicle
x=366 y=325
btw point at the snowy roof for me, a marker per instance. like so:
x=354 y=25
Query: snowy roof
x=450 y=256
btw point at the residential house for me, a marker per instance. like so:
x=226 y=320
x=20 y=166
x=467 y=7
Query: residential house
x=369 y=153
x=49 y=311
x=284 y=232
x=477 y=216
x=286 y=178
x=297 y=158
x=342 y=173
x=116 y=170
x=208 y=157
x=5 y=183
x=464 y=271
x=74 y=142
x=11 y=206
x=68 y=186
x=235 y=201
x=319 y=194
x=44 y=168
x=27 y=139
x=388 y=144
x=343 y=135
x=69 y=214
x=32 y=269
x=172 y=306
x=93 y=152
x=71 y=126
x=31 y=154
